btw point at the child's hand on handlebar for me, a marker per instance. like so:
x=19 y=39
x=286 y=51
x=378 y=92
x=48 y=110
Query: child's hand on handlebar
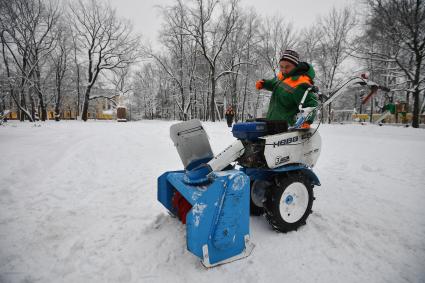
x=305 y=125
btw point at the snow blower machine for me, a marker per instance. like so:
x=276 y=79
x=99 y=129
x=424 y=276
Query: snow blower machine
x=266 y=170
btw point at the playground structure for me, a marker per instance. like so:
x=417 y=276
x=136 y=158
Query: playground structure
x=381 y=110
x=390 y=113
x=393 y=113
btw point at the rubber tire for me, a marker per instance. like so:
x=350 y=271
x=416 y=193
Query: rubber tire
x=271 y=205
x=253 y=209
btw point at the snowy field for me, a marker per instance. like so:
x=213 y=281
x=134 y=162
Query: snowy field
x=78 y=204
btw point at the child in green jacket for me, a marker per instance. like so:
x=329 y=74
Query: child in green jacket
x=288 y=89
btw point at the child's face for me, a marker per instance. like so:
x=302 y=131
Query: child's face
x=286 y=67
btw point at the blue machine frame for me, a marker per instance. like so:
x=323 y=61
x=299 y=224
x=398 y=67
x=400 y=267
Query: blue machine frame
x=267 y=174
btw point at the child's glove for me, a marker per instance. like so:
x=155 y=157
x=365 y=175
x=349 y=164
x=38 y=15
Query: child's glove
x=259 y=84
x=305 y=125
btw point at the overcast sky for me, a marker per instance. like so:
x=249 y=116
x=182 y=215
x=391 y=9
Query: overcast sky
x=147 y=20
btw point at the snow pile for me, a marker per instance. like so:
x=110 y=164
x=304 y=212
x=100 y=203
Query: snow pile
x=78 y=204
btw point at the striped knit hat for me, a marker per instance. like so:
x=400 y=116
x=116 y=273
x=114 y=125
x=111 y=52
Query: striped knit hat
x=290 y=56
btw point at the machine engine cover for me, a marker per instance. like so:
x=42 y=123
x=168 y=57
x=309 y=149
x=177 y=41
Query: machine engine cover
x=249 y=131
x=299 y=147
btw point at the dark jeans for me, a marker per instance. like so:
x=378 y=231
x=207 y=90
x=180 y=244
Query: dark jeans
x=229 y=120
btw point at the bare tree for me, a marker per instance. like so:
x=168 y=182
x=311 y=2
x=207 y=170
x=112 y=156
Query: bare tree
x=42 y=44
x=276 y=35
x=211 y=32
x=250 y=35
x=179 y=61
x=231 y=58
x=173 y=38
x=105 y=39
x=60 y=58
x=121 y=81
x=239 y=57
x=146 y=86
x=10 y=81
x=308 y=45
x=333 y=46
x=27 y=36
x=77 y=71
x=401 y=25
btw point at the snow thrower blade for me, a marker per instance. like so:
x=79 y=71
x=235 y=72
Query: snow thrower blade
x=215 y=210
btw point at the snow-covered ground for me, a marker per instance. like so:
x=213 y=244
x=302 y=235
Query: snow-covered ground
x=78 y=204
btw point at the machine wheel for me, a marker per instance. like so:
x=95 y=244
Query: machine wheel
x=289 y=202
x=257 y=197
x=255 y=210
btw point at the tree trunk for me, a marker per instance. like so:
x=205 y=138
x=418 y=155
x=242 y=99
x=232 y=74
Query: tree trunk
x=174 y=111
x=207 y=114
x=32 y=102
x=330 y=88
x=23 y=105
x=2 y=104
x=12 y=95
x=212 y=101
x=181 y=71
x=40 y=96
x=407 y=100
x=244 y=97
x=329 y=113
x=415 y=120
x=257 y=105
x=84 y=115
x=42 y=106
x=58 y=102
x=193 y=105
x=235 y=100
x=183 y=104
x=246 y=80
x=22 y=89
x=78 y=93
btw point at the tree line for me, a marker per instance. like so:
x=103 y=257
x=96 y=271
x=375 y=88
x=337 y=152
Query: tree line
x=210 y=53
